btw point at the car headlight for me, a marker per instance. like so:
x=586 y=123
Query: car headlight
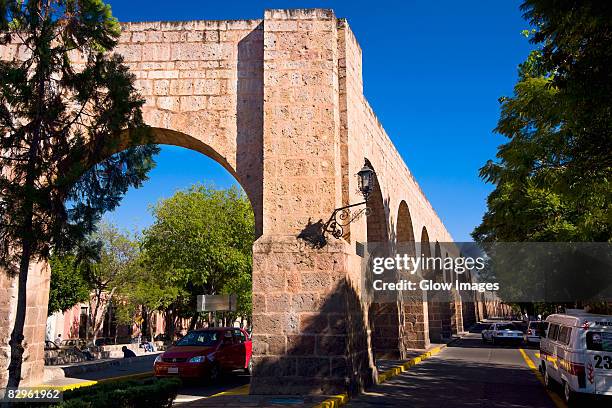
x=197 y=359
x=158 y=359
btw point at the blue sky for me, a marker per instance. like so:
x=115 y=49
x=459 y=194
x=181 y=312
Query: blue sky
x=433 y=72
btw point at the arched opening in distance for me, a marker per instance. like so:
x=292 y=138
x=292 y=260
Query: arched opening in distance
x=412 y=325
x=405 y=234
x=383 y=312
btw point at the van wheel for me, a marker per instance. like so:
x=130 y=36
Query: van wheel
x=568 y=394
x=547 y=380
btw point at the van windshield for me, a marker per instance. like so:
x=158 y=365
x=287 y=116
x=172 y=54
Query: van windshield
x=599 y=341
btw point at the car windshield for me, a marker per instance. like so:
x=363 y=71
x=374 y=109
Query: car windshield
x=199 y=338
x=538 y=326
x=505 y=327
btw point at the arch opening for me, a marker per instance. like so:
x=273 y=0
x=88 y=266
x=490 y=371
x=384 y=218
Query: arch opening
x=174 y=138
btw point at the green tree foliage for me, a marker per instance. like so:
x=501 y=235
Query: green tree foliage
x=552 y=178
x=202 y=241
x=60 y=121
x=149 y=290
x=111 y=265
x=68 y=285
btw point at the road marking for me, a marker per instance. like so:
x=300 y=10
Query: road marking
x=89 y=383
x=553 y=396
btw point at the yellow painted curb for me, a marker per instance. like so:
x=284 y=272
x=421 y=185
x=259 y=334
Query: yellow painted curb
x=553 y=396
x=242 y=390
x=341 y=399
x=334 y=402
x=89 y=383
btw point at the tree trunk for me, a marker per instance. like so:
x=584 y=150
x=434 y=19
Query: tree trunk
x=170 y=326
x=17 y=337
x=16 y=341
x=194 y=321
x=100 y=309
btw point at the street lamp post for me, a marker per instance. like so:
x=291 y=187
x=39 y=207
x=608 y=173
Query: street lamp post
x=342 y=217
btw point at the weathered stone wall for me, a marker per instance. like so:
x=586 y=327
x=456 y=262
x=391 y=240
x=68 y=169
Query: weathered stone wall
x=34 y=330
x=203 y=84
x=363 y=137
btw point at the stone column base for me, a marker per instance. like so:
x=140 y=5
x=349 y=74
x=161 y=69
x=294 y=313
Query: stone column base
x=310 y=333
x=32 y=368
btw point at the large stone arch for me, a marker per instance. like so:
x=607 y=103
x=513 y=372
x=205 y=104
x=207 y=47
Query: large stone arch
x=278 y=101
x=248 y=175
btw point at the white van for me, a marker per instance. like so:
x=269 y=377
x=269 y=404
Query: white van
x=577 y=353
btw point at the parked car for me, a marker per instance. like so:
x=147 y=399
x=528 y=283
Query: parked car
x=502 y=332
x=577 y=353
x=50 y=345
x=78 y=343
x=104 y=341
x=535 y=331
x=206 y=353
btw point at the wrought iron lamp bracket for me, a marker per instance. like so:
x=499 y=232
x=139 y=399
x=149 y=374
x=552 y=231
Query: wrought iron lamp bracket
x=342 y=217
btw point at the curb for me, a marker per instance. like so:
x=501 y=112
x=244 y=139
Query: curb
x=96 y=365
x=342 y=399
x=89 y=383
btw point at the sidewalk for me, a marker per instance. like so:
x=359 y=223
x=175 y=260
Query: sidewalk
x=239 y=397
x=91 y=372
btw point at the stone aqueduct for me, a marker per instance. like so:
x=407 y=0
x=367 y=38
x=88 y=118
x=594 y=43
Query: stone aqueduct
x=279 y=103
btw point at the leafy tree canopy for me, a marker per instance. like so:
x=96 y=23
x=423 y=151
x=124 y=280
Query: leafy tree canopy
x=68 y=284
x=552 y=178
x=202 y=240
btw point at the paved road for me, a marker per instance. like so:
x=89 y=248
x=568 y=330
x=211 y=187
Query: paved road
x=467 y=373
x=201 y=389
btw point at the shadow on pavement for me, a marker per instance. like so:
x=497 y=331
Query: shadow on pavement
x=439 y=383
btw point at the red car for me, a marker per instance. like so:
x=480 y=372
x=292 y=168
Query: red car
x=206 y=352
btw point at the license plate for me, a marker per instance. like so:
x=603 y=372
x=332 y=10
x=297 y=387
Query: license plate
x=172 y=370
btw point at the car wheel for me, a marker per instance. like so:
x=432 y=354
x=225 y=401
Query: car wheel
x=483 y=339
x=249 y=369
x=215 y=373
